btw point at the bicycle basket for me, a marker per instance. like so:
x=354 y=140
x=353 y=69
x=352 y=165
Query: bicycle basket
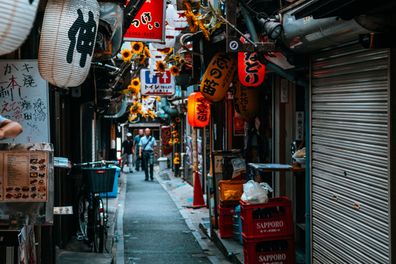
x=99 y=179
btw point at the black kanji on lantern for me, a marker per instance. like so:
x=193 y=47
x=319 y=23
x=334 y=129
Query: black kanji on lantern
x=85 y=39
x=252 y=66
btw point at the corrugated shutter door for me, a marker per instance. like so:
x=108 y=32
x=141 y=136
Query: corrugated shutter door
x=350 y=210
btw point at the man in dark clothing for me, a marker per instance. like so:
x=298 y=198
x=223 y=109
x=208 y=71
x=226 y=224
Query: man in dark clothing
x=127 y=150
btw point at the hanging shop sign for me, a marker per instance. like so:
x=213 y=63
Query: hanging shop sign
x=218 y=77
x=24 y=99
x=67 y=41
x=251 y=72
x=159 y=84
x=16 y=21
x=198 y=110
x=149 y=23
x=247 y=102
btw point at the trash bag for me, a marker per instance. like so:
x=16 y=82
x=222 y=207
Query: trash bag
x=255 y=193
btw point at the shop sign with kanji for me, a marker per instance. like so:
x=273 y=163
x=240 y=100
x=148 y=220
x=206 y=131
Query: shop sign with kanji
x=149 y=23
x=159 y=84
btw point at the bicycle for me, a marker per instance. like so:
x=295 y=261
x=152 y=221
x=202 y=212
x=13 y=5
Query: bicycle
x=92 y=214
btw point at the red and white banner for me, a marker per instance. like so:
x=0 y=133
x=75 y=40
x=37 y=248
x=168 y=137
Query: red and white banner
x=149 y=23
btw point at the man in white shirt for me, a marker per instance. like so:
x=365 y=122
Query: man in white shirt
x=146 y=152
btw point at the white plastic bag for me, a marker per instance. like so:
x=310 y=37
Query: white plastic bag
x=255 y=193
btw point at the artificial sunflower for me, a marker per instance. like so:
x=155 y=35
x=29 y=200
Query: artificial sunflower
x=151 y=114
x=205 y=32
x=126 y=55
x=147 y=52
x=132 y=117
x=174 y=70
x=137 y=47
x=145 y=97
x=134 y=90
x=158 y=98
x=160 y=66
x=167 y=51
x=142 y=59
x=192 y=21
x=170 y=142
x=175 y=141
x=136 y=108
x=135 y=82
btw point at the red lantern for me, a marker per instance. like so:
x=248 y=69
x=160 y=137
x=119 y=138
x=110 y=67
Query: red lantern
x=251 y=72
x=198 y=110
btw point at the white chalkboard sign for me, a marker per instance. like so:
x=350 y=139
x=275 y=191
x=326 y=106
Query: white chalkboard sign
x=24 y=98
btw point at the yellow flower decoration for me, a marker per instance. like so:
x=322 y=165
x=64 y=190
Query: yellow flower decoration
x=174 y=70
x=160 y=66
x=137 y=47
x=136 y=108
x=126 y=55
x=142 y=59
x=204 y=30
x=158 y=98
x=147 y=52
x=145 y=97
x=176 y=140
x=170 y=142
x=135 y=82
x=132 y=117
x=167 y=51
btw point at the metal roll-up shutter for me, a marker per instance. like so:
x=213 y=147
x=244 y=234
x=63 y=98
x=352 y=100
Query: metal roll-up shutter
x=349 y=129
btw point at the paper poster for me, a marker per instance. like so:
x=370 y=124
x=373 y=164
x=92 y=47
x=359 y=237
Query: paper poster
x=24 y=177
x=24 y=99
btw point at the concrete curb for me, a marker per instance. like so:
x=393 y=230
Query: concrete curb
x=119 y=235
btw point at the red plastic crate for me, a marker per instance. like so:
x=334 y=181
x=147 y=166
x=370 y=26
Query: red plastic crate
x=278 y=251
x=272 y=219
x=226 y=230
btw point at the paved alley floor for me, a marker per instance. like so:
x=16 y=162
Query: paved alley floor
x=154 y=230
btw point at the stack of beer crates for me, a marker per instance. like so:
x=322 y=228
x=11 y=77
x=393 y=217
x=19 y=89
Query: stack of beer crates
x=230 y=193
x=268 y=233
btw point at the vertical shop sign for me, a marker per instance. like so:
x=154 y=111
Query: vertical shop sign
x=149 y=23
x=24 y=98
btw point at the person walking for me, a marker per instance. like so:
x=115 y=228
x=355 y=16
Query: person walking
x=127 y=149
x=136 y=141
x=146 y=151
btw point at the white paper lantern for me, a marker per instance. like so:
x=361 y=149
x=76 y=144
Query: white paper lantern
x=16 y=21
x=68 y=41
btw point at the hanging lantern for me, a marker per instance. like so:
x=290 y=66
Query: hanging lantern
x=67 y=41
x=198 y=110
x=247 y=102
x=218 y=77
x=251 y=72
x=16 y=21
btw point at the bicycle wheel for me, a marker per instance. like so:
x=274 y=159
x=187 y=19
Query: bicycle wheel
x=83 y=216
x=99 y=226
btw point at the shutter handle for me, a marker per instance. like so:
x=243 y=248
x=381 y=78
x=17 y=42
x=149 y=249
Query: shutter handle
x=356 y=206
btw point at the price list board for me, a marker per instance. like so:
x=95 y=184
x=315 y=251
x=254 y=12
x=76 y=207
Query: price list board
x=24 y=176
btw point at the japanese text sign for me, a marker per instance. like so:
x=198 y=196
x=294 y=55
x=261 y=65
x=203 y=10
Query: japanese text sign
x=149 y=23
x=157 y=84
x=24 y=99
x=251 y=72
x=218 y=77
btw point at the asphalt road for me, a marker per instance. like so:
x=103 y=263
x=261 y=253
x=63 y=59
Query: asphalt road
x=154 y=230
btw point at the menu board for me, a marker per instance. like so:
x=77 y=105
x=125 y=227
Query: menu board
x=24 y=176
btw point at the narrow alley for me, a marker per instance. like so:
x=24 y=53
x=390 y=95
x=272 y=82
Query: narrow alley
x=154 y=230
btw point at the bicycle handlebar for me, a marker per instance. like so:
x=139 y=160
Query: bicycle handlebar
x=102 y=162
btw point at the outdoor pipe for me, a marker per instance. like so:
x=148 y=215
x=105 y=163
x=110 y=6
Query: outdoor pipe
x=124 y=106
x=165 y=105
x=270 y=66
